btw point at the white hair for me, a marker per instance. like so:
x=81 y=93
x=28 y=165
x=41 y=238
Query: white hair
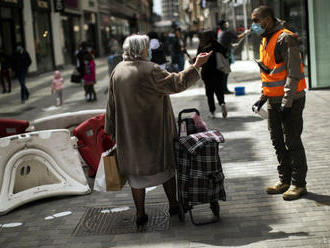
x=134 y=46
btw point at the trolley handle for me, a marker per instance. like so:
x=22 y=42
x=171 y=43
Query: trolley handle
x=185 y=111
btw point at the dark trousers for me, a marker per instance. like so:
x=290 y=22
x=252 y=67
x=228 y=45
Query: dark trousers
x=4 y=74
x=24 y=91
x=90 y=92
x=286 y=138
x=214 y=85
x=179 y=60
x=226 y=83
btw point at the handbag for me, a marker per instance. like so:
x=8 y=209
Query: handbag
x=222 y=63
x=75 y=77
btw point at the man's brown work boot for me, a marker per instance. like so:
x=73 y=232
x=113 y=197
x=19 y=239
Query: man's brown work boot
x=278 y=188
x=294 y=193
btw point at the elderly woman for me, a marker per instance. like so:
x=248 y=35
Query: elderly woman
x=140 y=118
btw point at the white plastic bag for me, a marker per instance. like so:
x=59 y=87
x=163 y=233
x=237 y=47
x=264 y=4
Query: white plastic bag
x=99 y=182
x=262 y=113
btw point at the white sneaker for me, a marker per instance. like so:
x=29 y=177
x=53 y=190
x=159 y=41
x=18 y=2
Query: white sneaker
x=211 y=115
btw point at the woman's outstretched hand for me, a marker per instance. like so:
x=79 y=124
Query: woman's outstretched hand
x=201 y=59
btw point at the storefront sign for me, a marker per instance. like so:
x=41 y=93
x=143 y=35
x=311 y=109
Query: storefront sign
x=71 y=3
x=40 y=5
x=59 y=5
x=11 y=3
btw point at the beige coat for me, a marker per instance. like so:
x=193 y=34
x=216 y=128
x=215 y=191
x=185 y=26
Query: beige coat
x=139 y=115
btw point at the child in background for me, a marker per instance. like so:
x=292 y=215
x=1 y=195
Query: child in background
x=57 y=87
x=89 y=78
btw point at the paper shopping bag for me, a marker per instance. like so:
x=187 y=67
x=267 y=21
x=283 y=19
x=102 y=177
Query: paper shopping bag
x=114 y=181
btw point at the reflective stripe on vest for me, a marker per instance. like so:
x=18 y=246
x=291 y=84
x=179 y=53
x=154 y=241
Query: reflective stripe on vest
x=274 y=75
x=278 y=83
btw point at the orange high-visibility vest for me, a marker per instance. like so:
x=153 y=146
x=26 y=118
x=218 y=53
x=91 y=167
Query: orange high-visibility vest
x=274 y=77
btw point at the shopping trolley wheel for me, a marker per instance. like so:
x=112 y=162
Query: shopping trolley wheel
x=215 y=208
x=181 y=213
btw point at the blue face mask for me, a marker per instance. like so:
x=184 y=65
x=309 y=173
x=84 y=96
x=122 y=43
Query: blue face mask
x=256 y=27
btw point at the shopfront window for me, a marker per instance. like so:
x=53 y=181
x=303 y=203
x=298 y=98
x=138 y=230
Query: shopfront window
x=11 y=29
x=91 y=32
x=119 y=29
x=42 y=39
x=105 y=32
x=294 y=13
x=319 y=27
x=71 y=37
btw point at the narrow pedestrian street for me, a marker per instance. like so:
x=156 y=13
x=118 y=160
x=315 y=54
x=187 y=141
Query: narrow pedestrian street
x=249 y=217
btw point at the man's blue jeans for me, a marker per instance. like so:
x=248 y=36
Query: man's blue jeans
x=178 y=59
x=181 y=61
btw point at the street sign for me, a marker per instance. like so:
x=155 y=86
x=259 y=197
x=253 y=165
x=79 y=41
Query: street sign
x=59 y=5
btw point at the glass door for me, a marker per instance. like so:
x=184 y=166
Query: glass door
x=319 y=36
x=43 y=43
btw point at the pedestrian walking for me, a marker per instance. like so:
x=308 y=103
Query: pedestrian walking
x=89 y=78
x=140 y=118
x=114 y=46
x=283 y=87
x=212 y=77
x=57 y=88
x=20 y=63
x=5 y=72
x=81 y=54
x=164 y=39
x=156 y=50
x=178 y=50
x=226 y=37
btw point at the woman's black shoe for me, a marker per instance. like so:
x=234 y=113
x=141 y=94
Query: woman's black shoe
x=141 y=220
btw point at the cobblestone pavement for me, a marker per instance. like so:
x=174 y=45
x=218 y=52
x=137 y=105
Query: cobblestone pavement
x=249 y=217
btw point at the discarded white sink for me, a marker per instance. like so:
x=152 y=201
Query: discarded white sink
x=64 y=120
x=38 y=165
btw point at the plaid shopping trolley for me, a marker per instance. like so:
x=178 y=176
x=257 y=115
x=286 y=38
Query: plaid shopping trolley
x=200 y=178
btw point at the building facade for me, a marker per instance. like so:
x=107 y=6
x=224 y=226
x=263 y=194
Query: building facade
x=170 y=10
x=51 y=30
x=196 y=15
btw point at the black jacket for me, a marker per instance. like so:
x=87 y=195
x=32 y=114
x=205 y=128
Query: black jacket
x=21 y=62
x=211 y=65
x=158 y=55
x=81 y=55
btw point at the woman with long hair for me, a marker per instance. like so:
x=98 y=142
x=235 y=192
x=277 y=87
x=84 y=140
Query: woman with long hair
x=213 y=79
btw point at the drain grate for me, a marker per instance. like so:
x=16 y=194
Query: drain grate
x=94 y=222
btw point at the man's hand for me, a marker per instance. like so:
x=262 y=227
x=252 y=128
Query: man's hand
x=257 y=105
x=284 y=112
x=201 y=59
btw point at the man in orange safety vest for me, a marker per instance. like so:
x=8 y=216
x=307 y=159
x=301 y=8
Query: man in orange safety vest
x=283 y=87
